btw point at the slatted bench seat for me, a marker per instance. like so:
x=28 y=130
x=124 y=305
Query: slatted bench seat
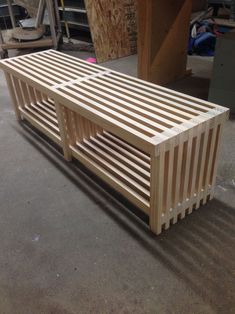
x=157 y=147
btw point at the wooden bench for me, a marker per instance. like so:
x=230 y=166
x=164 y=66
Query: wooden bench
x=157 y=147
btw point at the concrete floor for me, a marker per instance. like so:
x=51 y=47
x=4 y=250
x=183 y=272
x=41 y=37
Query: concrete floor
x=70 y=245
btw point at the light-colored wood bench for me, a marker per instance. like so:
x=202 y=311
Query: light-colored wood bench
x=157 y=147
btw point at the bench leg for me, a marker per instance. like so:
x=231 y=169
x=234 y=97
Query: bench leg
x=63 y=131
x=156 y=193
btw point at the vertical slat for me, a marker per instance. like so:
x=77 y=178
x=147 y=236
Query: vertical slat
x=156 y=191
x=215 y=159
x=25 y=94
x=174 y=177
x=169 y=199
x=63 y=131
x=38 y=95
x=195 y=161
x=18 y=92
x=187 y=166
x=71 y=126
x=202 y=162
x=13 y=95
x=78 y=129
x=31 y=94
x=44 y=96
x=178 y=171
x=183 y=177
x=210 y=160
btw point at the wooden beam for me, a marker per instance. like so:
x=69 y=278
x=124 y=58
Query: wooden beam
x=163 y=31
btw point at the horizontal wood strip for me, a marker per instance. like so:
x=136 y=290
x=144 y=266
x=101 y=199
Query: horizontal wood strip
x=50 y=103
x=160 y=122
x=118 y=128
x=152 y=112
x=20 y=69
x=55 y=69
x=47 y=72
x=130 y=155
x=107 y=111
x=74 y=63
x=136 y=93
x=114 y=171
x=103 y=144
x=44 y=114
x=170 y=91
x=62 y=62
x=127 y=146
x=161 y=98
x=119 y=106
x=42 y=127
x=130 y=194
x=138 y=81
x=46 y=108
x=111 y=158
x=38 y=116
x=153 y=106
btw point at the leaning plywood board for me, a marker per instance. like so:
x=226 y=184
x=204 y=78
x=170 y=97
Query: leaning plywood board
x=113 y=28
x=163 y=31
x=157 y=147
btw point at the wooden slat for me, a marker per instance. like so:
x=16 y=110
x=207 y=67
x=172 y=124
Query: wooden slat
x=156 y=192
x=102 y=143
x=60 y=114
x=115 y=171
x=41 y=126
x=112 y=180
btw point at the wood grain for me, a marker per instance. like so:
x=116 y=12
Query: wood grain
x=163 y=32
x=113 y=28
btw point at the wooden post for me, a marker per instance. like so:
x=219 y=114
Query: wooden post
x=2 y=51
x=40 y=13
x=163 y=33
x=13 y=21
x=51 y=15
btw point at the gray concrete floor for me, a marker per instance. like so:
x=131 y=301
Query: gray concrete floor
x=69 y=245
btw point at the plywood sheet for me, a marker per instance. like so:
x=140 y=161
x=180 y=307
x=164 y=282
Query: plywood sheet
x=113 y=28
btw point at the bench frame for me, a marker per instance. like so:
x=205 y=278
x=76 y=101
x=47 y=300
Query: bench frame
x=179 y=164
